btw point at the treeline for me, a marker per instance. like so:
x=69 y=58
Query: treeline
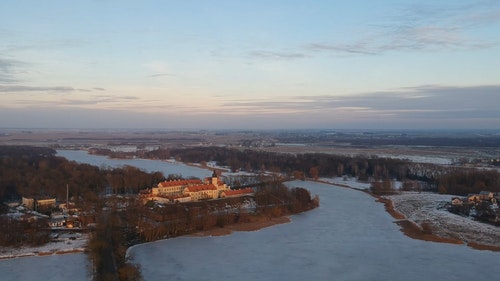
x=297 y=165
x=466 y=181
x=430 y=177
x=15 y=232
x=33 y=171
x=271 y=200
x=450 y=180
x=373 y=140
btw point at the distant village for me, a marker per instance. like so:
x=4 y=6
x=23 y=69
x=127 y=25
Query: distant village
x=67 y=216
x=482 y=206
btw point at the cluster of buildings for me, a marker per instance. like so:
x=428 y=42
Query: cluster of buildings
x=483 y=196
x=174 y=191
x=40 y=204
x=482 y=206
x=64 y=215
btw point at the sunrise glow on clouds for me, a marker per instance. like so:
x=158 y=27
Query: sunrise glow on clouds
x=250 y=64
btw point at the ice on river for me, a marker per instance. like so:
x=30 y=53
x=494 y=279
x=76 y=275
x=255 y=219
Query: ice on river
x=349 y=237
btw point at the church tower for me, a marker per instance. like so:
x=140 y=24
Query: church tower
x=215 y=178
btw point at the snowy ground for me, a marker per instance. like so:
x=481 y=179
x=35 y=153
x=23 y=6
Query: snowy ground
x=425 y=207
x=66 y=243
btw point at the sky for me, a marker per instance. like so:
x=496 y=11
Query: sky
x=282 y=64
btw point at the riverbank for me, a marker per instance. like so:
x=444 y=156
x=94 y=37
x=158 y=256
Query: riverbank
x=245 y=226
x=419 y=217
x=66 y=244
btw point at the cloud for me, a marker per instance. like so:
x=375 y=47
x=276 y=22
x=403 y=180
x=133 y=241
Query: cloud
x=8 y=70
x=426 y=102
x=423 y=28
x=54 y=89
x=158 y=68
x=361 y=47
x=263 y=54
x=98 y=100
x=159 y=75
x=20 y=88
x=47 y=44
x=423 y=106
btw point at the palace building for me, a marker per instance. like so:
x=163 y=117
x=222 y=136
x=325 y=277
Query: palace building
x=190 y=190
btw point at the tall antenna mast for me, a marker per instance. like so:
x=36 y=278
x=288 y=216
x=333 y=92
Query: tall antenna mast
x=67 y=197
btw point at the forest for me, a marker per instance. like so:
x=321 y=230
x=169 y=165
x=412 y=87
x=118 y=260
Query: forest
x=36 y=171
x=431 y=177
x=30 y=171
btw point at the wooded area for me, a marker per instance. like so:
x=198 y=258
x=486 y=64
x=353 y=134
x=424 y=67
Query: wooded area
x=32 y=171
x=35 y=171
x=432 y=177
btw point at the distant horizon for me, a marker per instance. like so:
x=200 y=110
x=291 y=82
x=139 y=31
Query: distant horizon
x=250 y=64
x=346 y=130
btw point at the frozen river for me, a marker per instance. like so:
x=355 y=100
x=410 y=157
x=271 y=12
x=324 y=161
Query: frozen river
x=349 y=237
x=165 y=167
x=74 y=267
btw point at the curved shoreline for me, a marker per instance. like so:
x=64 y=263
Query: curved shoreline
x=417 y=231
x=43 y=254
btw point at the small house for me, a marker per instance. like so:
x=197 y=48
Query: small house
x=485 y=195
x=473 y=198
x=456 y=201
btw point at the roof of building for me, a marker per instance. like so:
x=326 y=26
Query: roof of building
x=178 y=183
x=233 y=192
x=201 y=187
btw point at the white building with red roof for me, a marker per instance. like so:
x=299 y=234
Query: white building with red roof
x=187 y=190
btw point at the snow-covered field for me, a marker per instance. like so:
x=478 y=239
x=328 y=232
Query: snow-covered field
x=349 y=237
x=425 y=207
x=65 y=243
